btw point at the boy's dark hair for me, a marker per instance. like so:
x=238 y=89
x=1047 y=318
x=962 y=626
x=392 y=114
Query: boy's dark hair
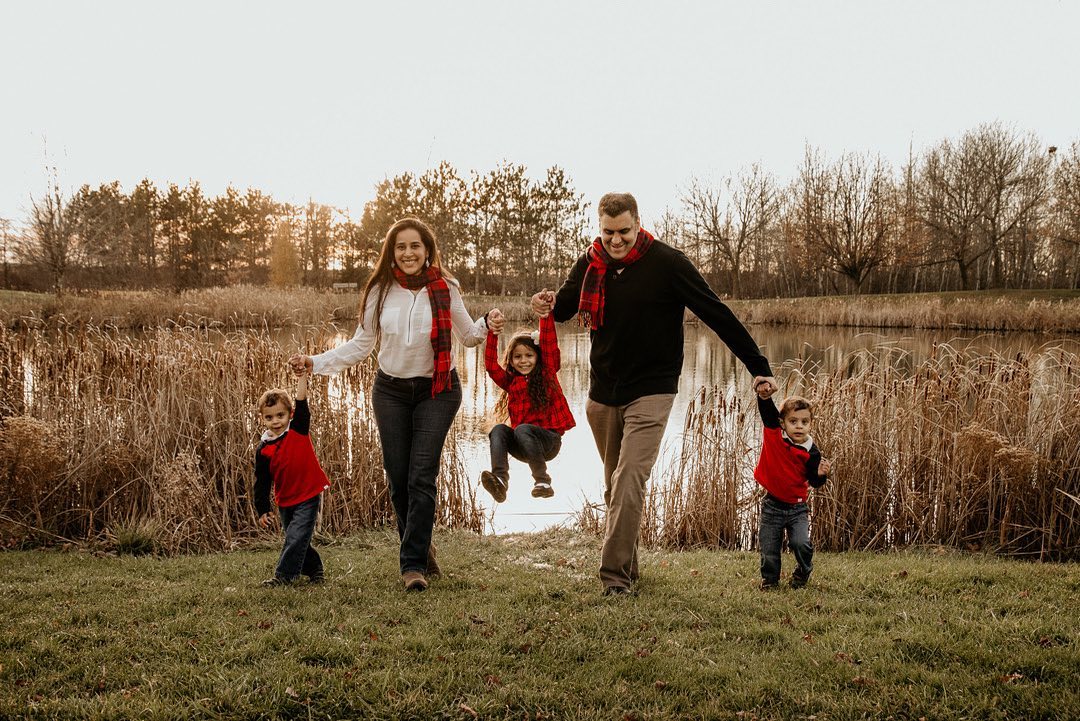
x=615 y=204
x=272 y=397
x=796 y=403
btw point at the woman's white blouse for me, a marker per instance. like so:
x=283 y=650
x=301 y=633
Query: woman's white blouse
x=405 y=351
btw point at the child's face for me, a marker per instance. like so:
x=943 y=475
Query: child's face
x=275 y=418
x=797 y=425
x=523 y=359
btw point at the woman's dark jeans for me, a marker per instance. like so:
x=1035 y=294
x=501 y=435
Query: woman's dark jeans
x=528 y=443
x=777 y=517
x=298 y=557
x=412 y=429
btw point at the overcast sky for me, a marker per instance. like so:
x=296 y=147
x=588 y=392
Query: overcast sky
x=323 y=100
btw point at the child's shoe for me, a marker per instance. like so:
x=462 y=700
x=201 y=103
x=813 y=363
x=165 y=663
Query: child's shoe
x=276 y=581
x=542 y=490
x=319 y=577
x=769 y=585
x=798 y=580
x=493 y=485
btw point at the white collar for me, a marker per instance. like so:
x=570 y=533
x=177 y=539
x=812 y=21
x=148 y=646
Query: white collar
x=267 y=436
x=808 y=444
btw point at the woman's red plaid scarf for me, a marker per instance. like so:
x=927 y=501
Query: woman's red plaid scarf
x=591 y=304
x=439 y=294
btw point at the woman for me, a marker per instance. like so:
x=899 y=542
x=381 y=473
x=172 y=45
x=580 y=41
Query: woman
x=412 y=305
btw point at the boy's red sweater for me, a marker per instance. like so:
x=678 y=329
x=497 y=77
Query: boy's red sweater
x=288 y=462
x=784 y=469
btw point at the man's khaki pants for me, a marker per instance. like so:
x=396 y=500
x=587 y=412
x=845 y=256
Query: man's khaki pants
x=628 y=438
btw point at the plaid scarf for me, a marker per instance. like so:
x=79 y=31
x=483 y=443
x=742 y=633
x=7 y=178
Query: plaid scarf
x=591 y=304
x=439 y=294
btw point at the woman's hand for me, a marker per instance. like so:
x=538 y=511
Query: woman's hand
x=765 y=386
x=495 y=321
x=542 y=302
x=300 y=364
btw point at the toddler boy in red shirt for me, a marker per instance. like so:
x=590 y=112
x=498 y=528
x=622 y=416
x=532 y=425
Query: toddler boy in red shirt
x=790 y=464
x=285 y=459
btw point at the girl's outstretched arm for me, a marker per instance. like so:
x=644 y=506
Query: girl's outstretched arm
x=549 y=344
x=491 y=362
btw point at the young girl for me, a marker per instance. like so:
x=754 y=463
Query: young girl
x=534 y=403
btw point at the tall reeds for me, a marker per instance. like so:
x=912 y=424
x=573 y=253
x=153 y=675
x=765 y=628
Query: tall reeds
x=102 y=431
x=963 y=450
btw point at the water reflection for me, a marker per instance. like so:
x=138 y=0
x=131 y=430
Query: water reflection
x=577 y=472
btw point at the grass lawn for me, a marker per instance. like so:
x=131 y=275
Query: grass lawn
x=518 y=630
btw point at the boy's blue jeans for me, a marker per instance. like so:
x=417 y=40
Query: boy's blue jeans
x=298 y=557
x=777 y=517
x=412 y=429
x=532 y=444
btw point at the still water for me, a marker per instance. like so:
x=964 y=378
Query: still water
x=577 y=474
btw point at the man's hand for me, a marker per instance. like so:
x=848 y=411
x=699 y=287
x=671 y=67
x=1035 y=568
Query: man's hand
x=824 y=468
x=495 y=321
x=266 y=519
x=300 y=364
x=765 y=386
x=543 y=302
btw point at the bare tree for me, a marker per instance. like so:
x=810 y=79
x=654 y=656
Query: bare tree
x=847 y=212
x=51 y=241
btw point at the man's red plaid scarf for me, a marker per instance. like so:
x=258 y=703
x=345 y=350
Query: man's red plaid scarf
x=591 y=304
x=439 y=294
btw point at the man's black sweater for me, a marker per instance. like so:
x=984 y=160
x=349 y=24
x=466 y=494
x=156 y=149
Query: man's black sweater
x=638 y=350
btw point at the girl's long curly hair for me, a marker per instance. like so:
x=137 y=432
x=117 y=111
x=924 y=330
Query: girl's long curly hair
x=536 y=381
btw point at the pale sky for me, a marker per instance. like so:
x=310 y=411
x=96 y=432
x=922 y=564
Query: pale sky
x=324 y=99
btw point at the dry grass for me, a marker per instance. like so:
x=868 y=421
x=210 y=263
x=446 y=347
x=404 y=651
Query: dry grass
x=103 y=433
x=1030 y=311
x=962 y=450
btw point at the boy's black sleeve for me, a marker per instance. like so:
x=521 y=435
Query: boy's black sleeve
x=770 y=414
x=262 y=484
x=301 y=418
x=812 y=476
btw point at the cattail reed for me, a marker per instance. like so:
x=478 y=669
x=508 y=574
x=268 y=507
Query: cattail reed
x=964 y=450
x=103 y=431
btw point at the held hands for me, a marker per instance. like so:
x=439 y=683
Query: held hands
x=266 y=519
x=543 y=302
x=300 y=364
x=765 y=386
x=495 y=321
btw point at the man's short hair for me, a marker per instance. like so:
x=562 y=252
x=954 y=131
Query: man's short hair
x=615 y=204
x=273 y=396
x=795 y=403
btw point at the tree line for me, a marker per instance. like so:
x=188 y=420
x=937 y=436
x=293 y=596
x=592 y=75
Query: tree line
x=993 y=208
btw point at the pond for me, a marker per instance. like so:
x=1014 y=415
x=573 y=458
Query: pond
x=577 y=473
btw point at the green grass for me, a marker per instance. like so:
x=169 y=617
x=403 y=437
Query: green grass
x=518 y=630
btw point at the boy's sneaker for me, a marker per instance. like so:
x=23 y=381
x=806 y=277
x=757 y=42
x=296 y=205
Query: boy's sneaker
x=319 y=577
x=798 y=581
x=276 y=581
x=542 y=490
x=768 y=585
x=493 y=485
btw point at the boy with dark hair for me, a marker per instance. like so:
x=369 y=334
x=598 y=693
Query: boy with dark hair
x=285 y=459
x=790 y=464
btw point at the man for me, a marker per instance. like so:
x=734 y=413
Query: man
x=632 y=291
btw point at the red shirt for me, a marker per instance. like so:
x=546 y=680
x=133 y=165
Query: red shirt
x=555 y=416
x=289 y=462
x=784 y=469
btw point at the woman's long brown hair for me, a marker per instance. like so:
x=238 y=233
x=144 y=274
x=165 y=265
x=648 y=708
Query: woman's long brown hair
x=382 y=277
